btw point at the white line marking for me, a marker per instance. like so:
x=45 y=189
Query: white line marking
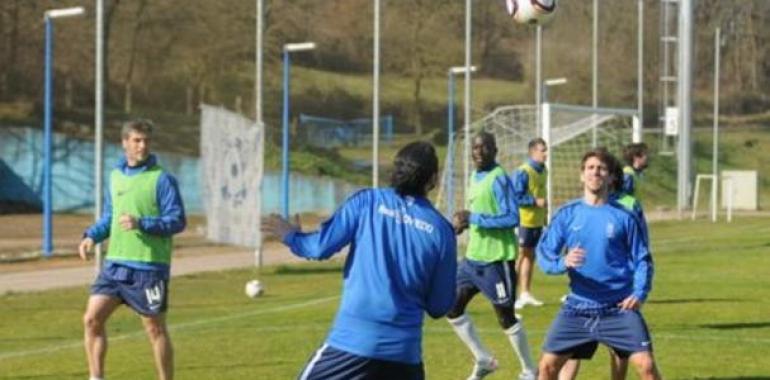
x=173 y=327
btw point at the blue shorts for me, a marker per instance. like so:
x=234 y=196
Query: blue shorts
x=145 y=291
x=529 y=236
x=497 y=280
x=577 y=333
x=329 y=363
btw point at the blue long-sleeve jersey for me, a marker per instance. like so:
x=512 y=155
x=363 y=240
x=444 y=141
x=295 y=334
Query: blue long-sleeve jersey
x=508 y=213
x=521 y=184
x=171 y=220
x=617 y=258
x=402 y=263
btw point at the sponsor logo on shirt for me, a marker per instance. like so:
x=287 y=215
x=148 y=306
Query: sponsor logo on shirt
x=610 y=230
x=402 y=217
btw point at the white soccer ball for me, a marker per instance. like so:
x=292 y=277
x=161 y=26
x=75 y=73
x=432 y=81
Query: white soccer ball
x=254 y=288
x=533 y=12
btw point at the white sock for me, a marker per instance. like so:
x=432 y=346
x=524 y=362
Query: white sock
x=95 y=378
x=518 y=337
x=463 y=326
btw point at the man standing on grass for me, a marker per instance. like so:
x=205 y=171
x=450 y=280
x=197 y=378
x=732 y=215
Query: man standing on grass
x=142 y=210
x=610 y=270
x=401 y=264
x=489 y=264
x=636 y=156
x=529 y=189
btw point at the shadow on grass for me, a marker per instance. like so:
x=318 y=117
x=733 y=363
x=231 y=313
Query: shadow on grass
x=693 y=300
x=306 y=269
x=737 y=326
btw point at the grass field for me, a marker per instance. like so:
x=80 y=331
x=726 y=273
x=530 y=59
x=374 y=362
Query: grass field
x=709 y=314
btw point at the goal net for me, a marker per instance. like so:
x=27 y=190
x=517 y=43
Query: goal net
x=569 y=130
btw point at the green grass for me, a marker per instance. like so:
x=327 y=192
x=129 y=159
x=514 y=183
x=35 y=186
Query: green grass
x=708 y=313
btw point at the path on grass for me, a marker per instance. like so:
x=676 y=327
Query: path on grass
x=83 y=274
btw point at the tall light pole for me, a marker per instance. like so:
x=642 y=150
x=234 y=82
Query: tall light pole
x=718 y=41
x=640 y=66
x=551 y=82
x=376 y=98
x=287 y=50
x=98 y=122
x=456 y=70
x=467 y=111
x=538 y=76
x=49 y=16
x=684 y=102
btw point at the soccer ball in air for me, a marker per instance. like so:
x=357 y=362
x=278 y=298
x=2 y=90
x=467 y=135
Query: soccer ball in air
x=254 y=288
x=534 y=12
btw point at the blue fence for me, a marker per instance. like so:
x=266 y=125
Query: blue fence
x=21 y=169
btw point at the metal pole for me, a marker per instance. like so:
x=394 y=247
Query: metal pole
x=640 y=66
x=450 y=196
x=98 y=122
x=539 y=78
x=47 y=114
x=285 y=152
x=715 y=155
x=376 y=98
x=258 y=116
x=684 y=167
x=595 y=65
x=467 y=117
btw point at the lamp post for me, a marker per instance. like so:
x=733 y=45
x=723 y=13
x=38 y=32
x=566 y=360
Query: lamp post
x=456 y=70
x=287 y=49
x=48 y=17
x=551 y=82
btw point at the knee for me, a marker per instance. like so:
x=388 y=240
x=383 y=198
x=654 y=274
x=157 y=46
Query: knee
x=645 y=366
x=155 y=330
x=92 y=323
x=548 y=369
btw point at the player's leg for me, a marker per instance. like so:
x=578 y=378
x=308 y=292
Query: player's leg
x=162 y=349
x=569 y=370
x=528 y=238
x=618 y=366
x=462 y=324
x=644 y=362
x=98 y=310
x=550 y=365
x=503 y=276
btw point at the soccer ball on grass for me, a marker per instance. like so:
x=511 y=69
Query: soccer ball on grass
x=254 y=288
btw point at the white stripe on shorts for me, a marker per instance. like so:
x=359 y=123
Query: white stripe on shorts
x=311 y=363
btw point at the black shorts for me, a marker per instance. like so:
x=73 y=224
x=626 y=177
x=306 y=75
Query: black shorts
x=529 y=236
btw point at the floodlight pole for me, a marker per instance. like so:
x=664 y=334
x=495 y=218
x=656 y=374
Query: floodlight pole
x=715 y=154
x=376 y=98
x=467 y=111
x=640 y=67
x=451 y=133
x=287 y=49
x=684 y=101
x=539 y=77
x=595 y=66
x=98 y=124
x=47 y=124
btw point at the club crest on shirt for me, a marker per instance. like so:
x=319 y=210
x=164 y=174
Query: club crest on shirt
x=610 y=230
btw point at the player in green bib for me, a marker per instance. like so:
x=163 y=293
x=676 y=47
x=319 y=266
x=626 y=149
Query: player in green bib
x=489 y=264
x=142 y=210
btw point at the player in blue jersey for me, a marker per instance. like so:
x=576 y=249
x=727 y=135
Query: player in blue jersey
x=610 y=270
x=618 y=363
x=490 y=257
x=402 y=263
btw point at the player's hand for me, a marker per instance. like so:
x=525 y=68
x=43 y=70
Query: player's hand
x=541 y=202
x=630 y=303
x=86 y=245
x=460 y=220
x=128 y=222
x=575 y=257
x=276 y=226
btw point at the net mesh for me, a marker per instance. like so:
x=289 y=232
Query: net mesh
x=572 y=132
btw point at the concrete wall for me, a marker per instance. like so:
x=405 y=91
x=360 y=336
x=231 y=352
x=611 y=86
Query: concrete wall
x=21 y=168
